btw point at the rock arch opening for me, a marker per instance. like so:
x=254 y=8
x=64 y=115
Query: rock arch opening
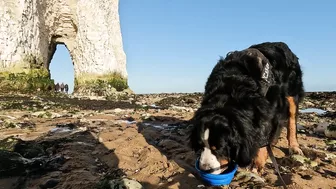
x=61 y=66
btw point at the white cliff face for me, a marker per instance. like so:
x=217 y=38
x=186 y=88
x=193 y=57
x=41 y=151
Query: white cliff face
x=89 y=29
x=99 y=37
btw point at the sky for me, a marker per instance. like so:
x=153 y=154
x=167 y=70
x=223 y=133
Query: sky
x=173 y=45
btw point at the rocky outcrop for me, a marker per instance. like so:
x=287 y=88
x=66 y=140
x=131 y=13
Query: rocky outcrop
x=31 y=29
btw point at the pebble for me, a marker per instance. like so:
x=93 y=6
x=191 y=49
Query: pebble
x=50 y=184
x=309 y=104
x=329 y=109
x=321 y=127
x=118 y=110
x=246 y=176
x=55 y=174
x=333 y=162
x=313 y=164
x=307 y=177
x=330 y=131
x=125 y=183
x=299 y=158
x=331 y=142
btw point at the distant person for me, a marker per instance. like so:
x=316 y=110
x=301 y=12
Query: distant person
x=51 y=87
x=62 y=87
x=66 y=88
x=57 y=87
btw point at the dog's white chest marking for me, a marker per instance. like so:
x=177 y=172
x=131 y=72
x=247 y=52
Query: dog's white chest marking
x=207 y=159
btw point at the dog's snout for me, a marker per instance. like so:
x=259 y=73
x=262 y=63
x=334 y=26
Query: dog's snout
x=205 y=166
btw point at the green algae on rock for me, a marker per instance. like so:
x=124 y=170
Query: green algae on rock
x=8 y=143
x=101 y=85
x=26 y=81
x=27 y=149
x=31 y=76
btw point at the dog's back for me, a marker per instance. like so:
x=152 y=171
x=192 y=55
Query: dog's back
x=287 y=89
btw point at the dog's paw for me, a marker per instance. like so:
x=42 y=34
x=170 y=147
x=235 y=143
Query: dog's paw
x=295 y=150
x=247 y=168
x=257 y=169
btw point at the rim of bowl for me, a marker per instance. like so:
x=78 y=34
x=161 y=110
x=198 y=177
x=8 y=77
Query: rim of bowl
x=222 y=174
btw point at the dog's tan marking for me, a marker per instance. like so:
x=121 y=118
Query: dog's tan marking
x=291 y=128
x=213 y=148
x=260 y=160
x=223 y=162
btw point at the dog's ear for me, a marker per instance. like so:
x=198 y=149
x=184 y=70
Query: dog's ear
x=258 y=64
x=237 y=149
x=256 y=59
x=245 y=153
x=194 y=139
x=197 y=128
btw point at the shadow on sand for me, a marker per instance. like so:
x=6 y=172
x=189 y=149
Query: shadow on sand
x=72 y=159
x=171 y=139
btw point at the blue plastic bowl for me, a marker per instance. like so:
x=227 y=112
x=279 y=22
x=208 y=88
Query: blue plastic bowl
x=224 y=178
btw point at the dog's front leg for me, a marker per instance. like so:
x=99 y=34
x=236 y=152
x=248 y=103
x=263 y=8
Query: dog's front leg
x=259 y=161
x=293 y=144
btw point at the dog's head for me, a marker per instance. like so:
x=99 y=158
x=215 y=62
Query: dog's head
x=220 y=140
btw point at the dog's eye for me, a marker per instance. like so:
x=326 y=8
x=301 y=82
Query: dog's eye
x=199 y=152
x=215 y=153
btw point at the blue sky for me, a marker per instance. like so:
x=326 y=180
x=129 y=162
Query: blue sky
x=172 y=45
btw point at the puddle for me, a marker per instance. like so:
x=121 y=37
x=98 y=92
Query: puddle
x=313 y=110
x=126 y=121
x=66 y=129
x=152 y=106
x=84 y=144
x=161 y=126
x=157 y=126
x=60 y=130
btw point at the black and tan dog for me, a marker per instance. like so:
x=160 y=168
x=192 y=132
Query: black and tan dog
x=249 y=96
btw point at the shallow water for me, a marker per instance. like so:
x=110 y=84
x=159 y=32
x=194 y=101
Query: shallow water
x=161 y=126
x=157 y=126
x=66 y=129
x=126 y=121
x=60 y=130
x=152 y=106
x=313 y=110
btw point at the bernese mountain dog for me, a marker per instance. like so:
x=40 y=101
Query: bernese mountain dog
x=249 y=96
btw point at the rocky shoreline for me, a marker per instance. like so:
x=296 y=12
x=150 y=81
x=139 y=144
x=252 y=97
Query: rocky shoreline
x=140 y=140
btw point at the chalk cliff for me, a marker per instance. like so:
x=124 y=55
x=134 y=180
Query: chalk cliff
x=31 y=29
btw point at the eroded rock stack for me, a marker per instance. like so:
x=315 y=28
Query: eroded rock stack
x=31 y=29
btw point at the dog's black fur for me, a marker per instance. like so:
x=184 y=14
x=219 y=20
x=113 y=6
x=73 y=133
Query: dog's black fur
x=240 y=118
